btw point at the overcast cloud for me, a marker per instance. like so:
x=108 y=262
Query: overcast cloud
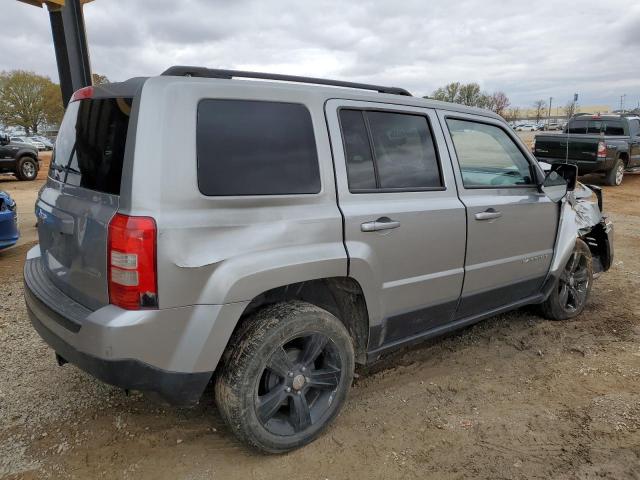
x=529 y=50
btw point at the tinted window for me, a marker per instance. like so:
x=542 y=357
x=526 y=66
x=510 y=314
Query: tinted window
x=360 y=170
x=403 y=155
x=595 y=126
x=577 y=126
x=255 y=148
x=100 y=132
x=404 y=151
x=488 y=157
x=613 y=128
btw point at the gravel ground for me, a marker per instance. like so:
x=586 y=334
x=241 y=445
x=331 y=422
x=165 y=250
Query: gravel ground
x=512 y=397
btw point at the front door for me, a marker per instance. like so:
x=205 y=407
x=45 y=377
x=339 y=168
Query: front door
x=7 y=154
x=404 y=224
x=511 y=226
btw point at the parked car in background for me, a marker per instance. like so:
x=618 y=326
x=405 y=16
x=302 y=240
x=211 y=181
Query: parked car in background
x=608 y=144
x=312 y=227
x=19 y=158
x=48 y=144
x=9 y=233
x=527 y=127
x=552 y=126
x=39 y=145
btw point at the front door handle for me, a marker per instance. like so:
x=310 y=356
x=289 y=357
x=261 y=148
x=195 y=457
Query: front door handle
x=383 y=223
x=488 y=214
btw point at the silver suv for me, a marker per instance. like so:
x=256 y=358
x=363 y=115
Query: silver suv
x=270 y=234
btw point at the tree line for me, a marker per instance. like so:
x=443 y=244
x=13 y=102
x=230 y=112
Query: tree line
x=471 y=94
x=32 y=101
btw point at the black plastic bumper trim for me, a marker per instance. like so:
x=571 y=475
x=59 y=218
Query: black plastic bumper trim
x=177 y=388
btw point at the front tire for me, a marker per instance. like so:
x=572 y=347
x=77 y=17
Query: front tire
x=616 y=174
x=569 y=296
x=26 y=169
x=285 y=376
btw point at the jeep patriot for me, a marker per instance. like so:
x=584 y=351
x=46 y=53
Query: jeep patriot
x=268 y=232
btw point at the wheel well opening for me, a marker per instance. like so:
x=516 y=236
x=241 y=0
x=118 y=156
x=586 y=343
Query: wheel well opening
x=341 y=296
x=624 y=156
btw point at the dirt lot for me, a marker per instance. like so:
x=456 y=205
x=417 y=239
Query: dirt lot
x=513 y=397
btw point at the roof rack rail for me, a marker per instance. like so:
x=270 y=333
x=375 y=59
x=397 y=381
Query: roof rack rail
x=186 y=71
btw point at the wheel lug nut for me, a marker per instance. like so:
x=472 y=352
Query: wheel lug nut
x=290 y=374
x=288 y=389
x=303 y=368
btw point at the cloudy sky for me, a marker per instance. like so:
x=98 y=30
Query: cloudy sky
x=529 y=50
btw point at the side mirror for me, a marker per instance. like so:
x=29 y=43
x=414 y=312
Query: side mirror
x=561 y=179
x=4 y=139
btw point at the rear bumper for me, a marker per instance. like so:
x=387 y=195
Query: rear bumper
x=172 y=352
x=176 y=388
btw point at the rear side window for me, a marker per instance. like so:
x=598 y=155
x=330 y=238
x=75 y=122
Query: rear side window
x=388 y=151
x=90 y=145
x=249 y=147
x=613 y=128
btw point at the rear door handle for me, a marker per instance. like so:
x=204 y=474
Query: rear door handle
x=383 y=223
x=488 y=214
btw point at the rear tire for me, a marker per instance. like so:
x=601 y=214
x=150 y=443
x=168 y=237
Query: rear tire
x=616 y=174
x=285 y=376
x=26 y=169
x=571 y=291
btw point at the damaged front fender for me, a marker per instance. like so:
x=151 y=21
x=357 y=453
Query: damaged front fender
x=581 y=217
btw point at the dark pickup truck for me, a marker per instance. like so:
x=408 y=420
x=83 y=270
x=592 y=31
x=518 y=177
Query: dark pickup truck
x=18 y=158
x=608 y=144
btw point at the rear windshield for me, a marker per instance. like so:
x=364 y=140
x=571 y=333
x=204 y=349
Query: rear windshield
x=90 y=146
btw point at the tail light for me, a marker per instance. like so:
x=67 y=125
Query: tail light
x=82 y=94
x=602 y=150
x=132 y=262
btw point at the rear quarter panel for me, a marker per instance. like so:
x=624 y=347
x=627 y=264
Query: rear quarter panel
x=215 y=250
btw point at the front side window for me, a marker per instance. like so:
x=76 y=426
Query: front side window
x=387 y=151
x=487 y=156
x=248 y=147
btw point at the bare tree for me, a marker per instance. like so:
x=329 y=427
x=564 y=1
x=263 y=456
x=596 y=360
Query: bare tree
x=513 y=114
x=539 y=106
x=498 y=102
x=570 y=109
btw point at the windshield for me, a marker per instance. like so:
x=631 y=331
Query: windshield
x=89 y=150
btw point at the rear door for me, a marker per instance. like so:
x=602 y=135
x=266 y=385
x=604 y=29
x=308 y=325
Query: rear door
x=82 y=195
x=404 y=224
x=511 y=227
